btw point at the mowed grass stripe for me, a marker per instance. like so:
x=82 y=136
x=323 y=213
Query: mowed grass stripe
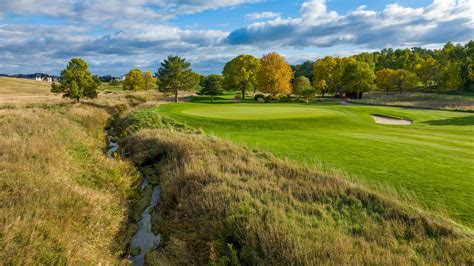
x=433 y=158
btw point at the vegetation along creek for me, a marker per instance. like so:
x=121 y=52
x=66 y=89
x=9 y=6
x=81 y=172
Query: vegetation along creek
x=144 y=239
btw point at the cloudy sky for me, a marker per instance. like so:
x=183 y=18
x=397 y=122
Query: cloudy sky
x=117 y=35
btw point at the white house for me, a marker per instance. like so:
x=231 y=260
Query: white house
x=43 y=77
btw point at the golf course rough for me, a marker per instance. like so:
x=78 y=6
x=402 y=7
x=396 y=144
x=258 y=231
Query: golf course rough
x=431 y=160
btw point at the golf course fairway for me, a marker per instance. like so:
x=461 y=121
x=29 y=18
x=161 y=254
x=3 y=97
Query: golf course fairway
x=431 y=160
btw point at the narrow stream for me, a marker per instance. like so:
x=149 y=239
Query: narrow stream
x=144 y=239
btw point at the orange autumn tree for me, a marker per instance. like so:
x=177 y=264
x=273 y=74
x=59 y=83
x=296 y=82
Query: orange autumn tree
x=275 y=74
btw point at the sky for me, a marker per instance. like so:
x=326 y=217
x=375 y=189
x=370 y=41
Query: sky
x=114 y=36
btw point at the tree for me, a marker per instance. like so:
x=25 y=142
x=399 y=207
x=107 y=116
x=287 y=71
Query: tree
x=150 y=82
x=300 y=85
x=451 y=78
x=383 y=79
x=305 y=69
x=174 y=75
x=324 y=77
x=241 y=73
x=358 y=77
x=212 y=85
x=274 y=75
x=76 y=81
x=403 y=80
x=428 y=71
x=134 y=81
x=114 y=83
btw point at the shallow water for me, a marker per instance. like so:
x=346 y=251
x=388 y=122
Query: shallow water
x=144 y=238
x=113 y=146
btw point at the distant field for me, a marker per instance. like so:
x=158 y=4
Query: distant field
x=433 y=159
x=461 y=102
x=24 y=87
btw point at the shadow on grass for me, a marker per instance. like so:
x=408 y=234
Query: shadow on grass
x=456 y=121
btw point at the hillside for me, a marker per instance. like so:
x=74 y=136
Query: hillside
x=224 y=204
x=24 y=87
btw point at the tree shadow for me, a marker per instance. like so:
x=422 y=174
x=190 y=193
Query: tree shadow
x=456 y=121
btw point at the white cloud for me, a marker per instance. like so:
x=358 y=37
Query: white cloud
x=92 y=10
x=396 y=25
x=262 y=15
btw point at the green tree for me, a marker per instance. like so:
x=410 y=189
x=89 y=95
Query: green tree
x=149 y=81
x=134 y=81
x=305 y=69
x=324 y=77
x=174 y=75
x=274 y=75
x=212 y=86
x=383 y=79
x=403 y=80
x=76 y=81
x=428 y=72
x=327 y=73
x=241 y=73
x=358 y=77
x=451 y=78
x=301 y=85
x=114 y=83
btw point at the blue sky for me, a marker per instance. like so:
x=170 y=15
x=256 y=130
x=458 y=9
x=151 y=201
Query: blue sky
x=117 y=35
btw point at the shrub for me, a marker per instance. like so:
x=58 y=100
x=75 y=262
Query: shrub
x=259 y=96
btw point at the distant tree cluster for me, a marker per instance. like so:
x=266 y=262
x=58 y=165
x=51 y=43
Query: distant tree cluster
x=448 y=69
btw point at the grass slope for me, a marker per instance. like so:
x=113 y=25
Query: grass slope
x=24 y=87
x=431 y=159
x=226 y=205
x=62 y=201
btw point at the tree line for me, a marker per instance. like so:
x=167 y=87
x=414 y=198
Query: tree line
x=448 y=69
x=444 y=70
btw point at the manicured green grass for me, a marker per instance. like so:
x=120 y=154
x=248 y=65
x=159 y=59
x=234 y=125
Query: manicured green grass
x=432 y=159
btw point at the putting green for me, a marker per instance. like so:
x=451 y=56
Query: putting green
x=255 y=112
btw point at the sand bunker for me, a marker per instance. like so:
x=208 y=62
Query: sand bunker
x=387 y=120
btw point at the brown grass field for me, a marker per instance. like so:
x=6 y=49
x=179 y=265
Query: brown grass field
x=62 y=199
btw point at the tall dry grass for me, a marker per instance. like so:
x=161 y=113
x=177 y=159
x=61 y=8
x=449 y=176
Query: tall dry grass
x=224 y=204
x=453 y=102
x=62 y=200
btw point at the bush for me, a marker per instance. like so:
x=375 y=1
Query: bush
x=284 y=98
x=270 y=98
x=259 y=96
x=238 y=96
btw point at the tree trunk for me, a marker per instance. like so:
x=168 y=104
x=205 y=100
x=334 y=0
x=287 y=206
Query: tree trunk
x=243 y=94
x=322 y=94
x=176 y=97
x=77 y=99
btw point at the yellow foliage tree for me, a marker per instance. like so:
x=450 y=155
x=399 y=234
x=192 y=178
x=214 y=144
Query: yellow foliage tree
x=150 y=81
x=384 y=80
x=133 y=81
x=275 y=74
